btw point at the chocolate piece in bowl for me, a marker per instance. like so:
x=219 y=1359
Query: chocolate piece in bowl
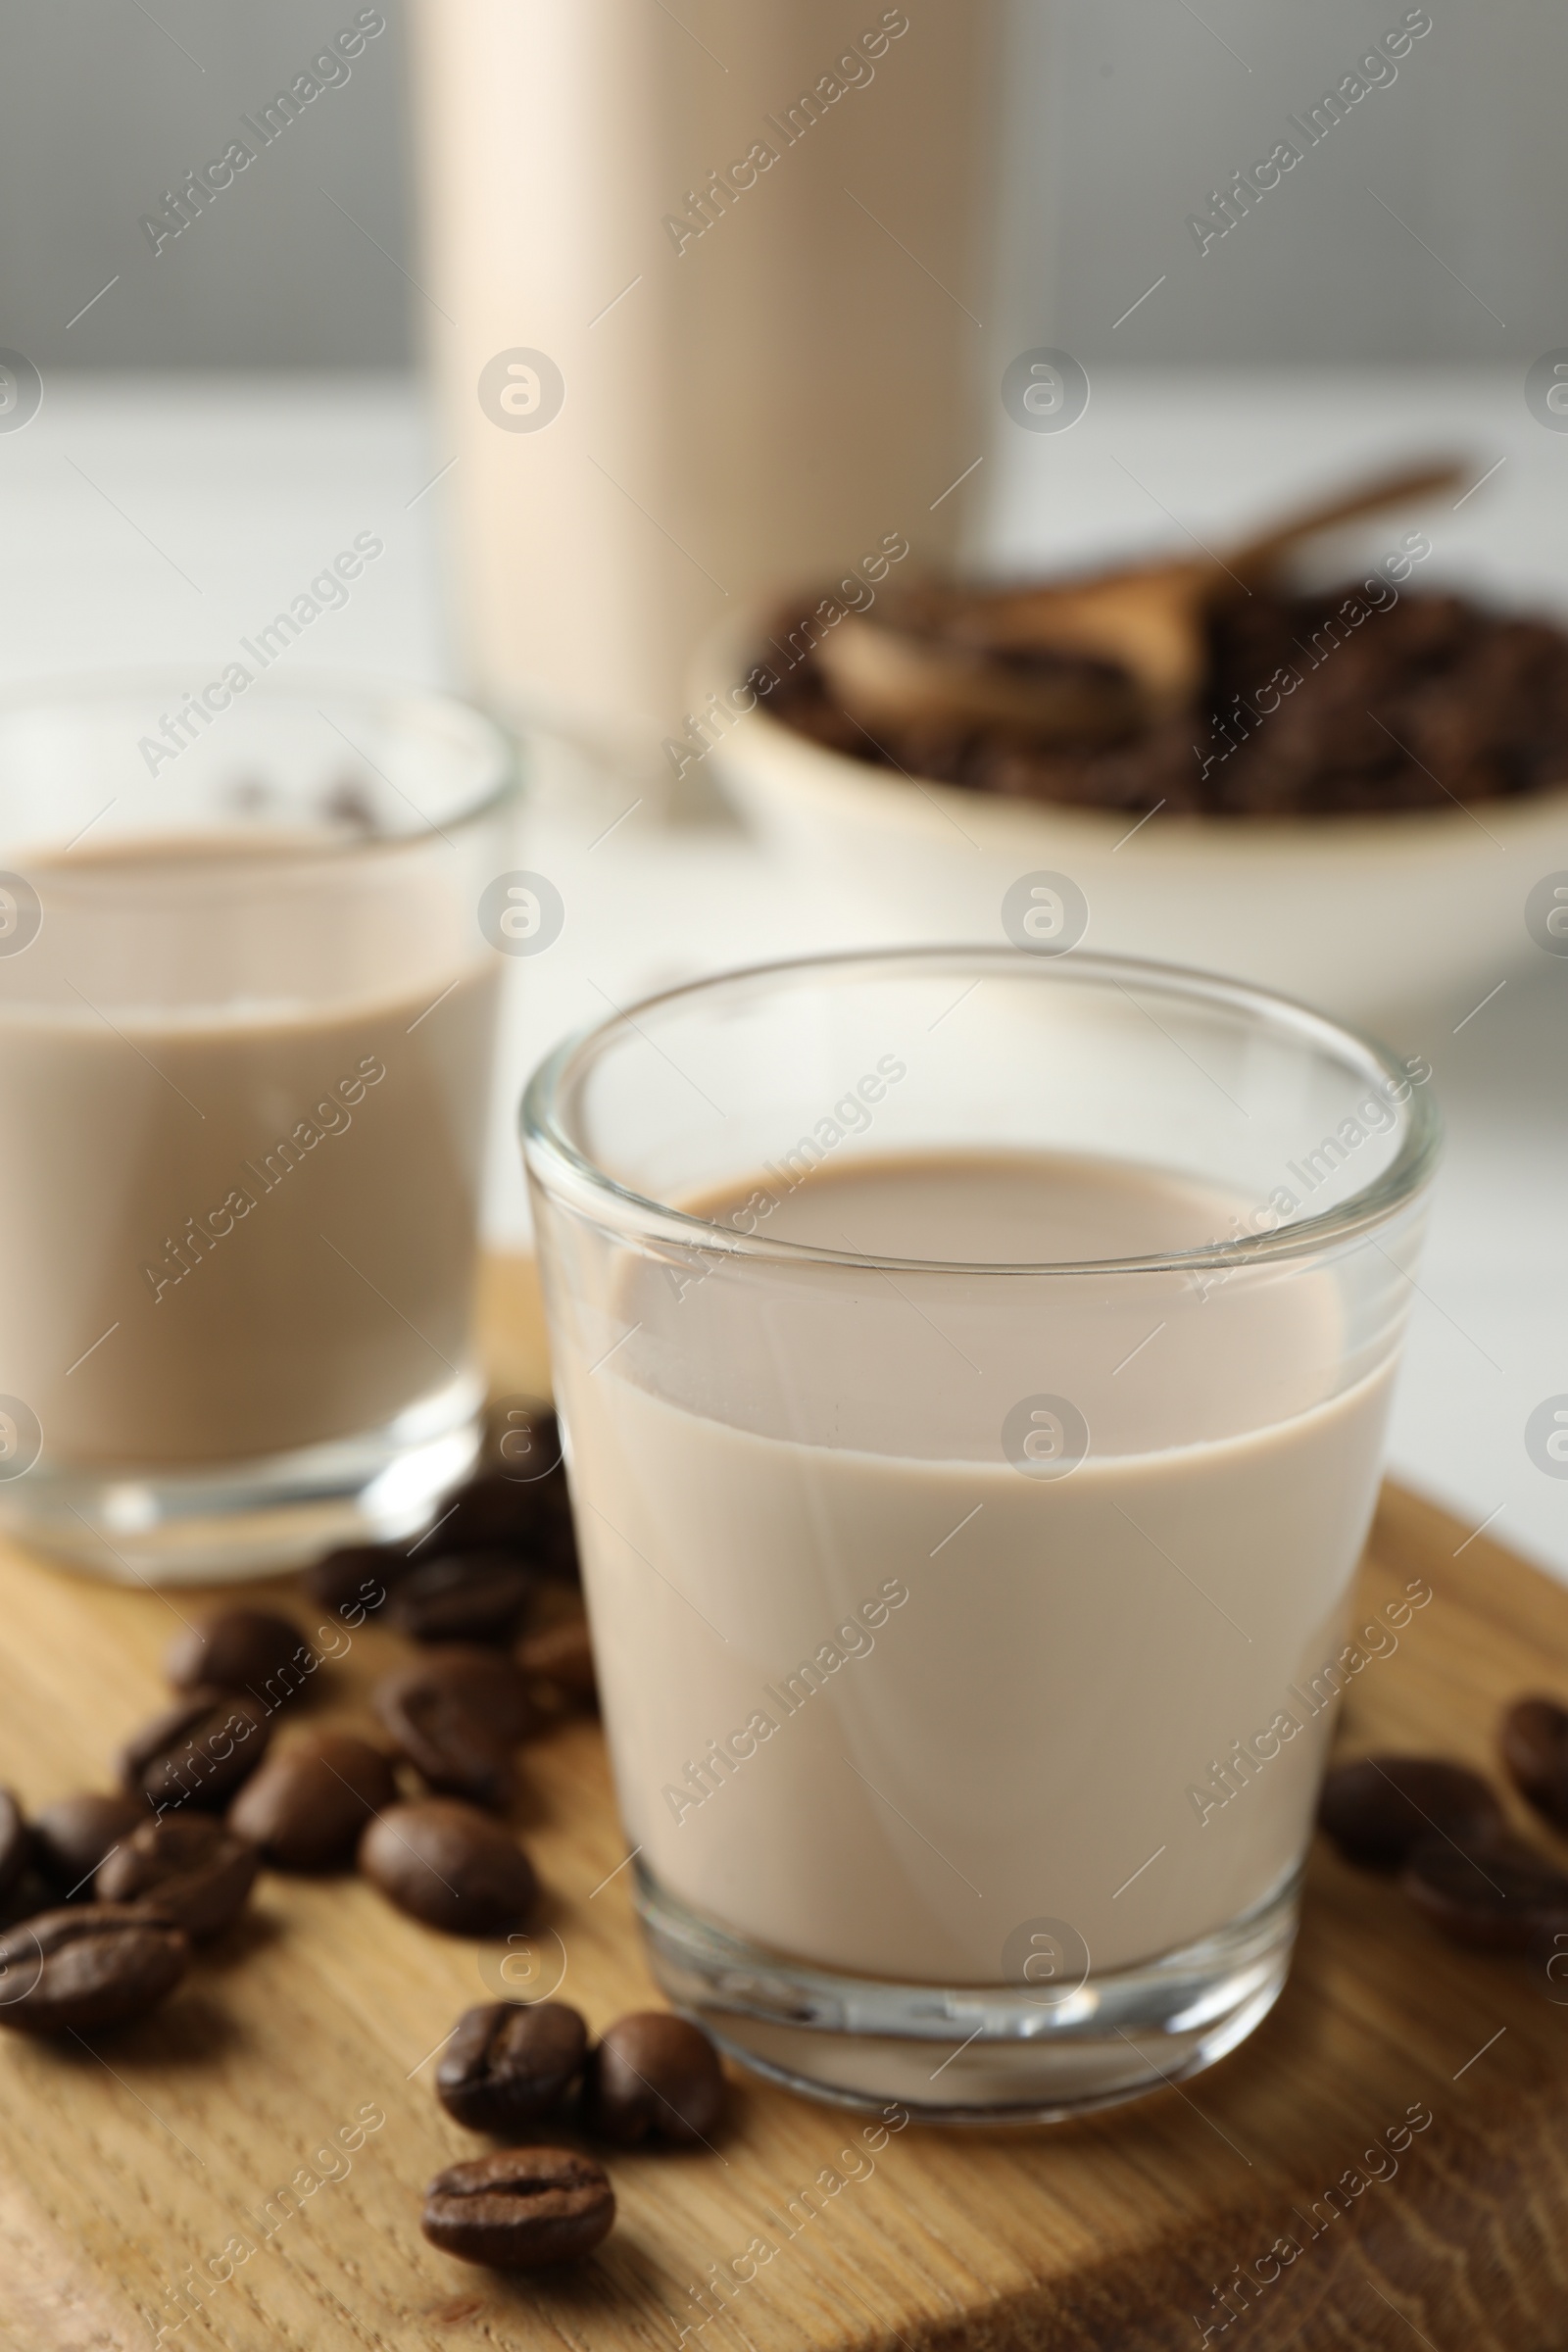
x=1534 y=1749
x=242 y=1650
x=88 y=1967
x=197 y=1752
x=510 y=2065
x=653 y=2077
x=520 y=2209
x=467 y=1597
x=72 y=1836
x=309 y=1805
x=1378 y=1809
x=456 y=1715
x=451 y=1866
x=188 y=1867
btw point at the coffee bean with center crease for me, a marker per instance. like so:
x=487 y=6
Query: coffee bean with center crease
x=1534 y=1749
x=1501 y=1898
x=188 y=1867
x=307 y=1806
x=456 y=1715
x=88 y=1967
x=16 y=1842
x=520 y=2207
x=527 y=1519
x=242 y=1650
x=449 y=1865
x=471 y=1596
x=73 y=1835
x=197 y=1752
x=1379 y=1808
x=356 y=1581
x=510 y=2064
x=653 y=2077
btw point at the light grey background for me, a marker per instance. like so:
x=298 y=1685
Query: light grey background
x=1128 y=114
x=105 y=104
x=1430 y=224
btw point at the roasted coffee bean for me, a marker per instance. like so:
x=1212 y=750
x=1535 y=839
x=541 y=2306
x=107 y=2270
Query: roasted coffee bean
x=87 y=1967
x=1380 y=1807
x=186 y=1867
x=520 y=2207
x=307 y=1806
x=653 y=2077
x=509 y=2064
x=16 y=1842
x=523 y=1439
x=1534 y=1749
x=449 y=1865
x=527 y=1519
x=456 y=1715
x=471 y=1596
x=197 y=1752
x=73 y=1835
x=355 y=1582
x=1502 y=1896
x=242 y=1650
x=562 y=1658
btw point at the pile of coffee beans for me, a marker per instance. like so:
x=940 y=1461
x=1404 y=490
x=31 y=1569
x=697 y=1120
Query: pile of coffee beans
x=1322 y=706
x=206 y=1799
x=515 y=2070
x=105 y=1893
x=1442 y=1829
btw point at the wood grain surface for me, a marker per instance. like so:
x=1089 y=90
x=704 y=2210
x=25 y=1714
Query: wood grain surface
x=217 y=2172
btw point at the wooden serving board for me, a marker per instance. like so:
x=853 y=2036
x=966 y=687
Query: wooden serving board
x=224 y=2140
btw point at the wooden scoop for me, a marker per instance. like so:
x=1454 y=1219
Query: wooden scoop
x=1131 y=643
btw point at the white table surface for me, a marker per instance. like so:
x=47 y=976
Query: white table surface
x=157 y=519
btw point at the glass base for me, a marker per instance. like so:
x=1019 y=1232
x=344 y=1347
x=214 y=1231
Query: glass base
x=973 y=2054
x=239 y=1520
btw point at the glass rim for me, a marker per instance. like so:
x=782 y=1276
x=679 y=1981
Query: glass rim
x=501 y=767
x=549 y=1153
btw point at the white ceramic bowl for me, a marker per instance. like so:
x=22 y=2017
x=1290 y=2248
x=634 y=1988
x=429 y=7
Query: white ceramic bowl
x=1369 y=917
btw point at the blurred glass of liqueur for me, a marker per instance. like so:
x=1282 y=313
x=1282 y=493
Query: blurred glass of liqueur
x=246 y=1014
x=975 y=1366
